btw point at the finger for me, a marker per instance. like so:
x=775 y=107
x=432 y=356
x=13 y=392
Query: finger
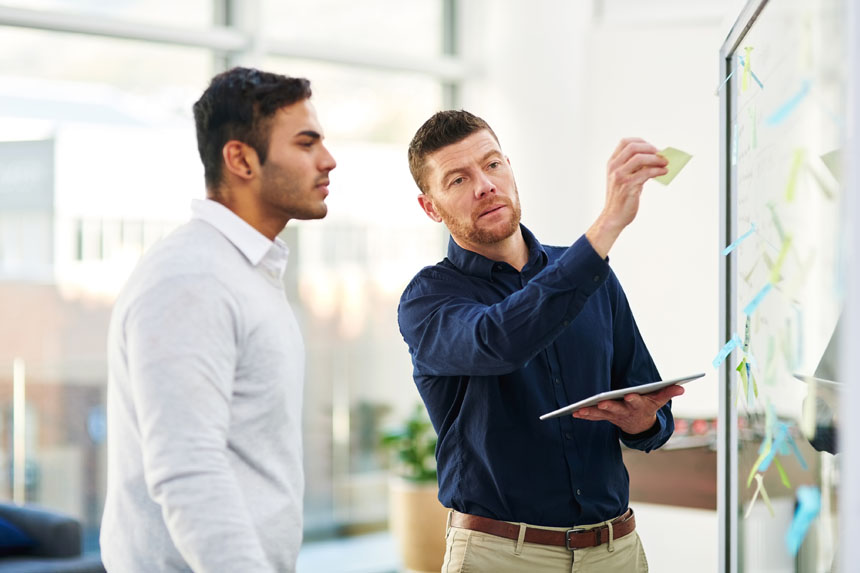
x=624 y=143
x=646 y=173
x=630 y=150
x=642 y=160
x=614 y=407
x=667 y=393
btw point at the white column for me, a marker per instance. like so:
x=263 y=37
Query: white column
x=19 y=432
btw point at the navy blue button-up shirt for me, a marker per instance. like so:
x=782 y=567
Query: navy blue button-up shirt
x=494 y=348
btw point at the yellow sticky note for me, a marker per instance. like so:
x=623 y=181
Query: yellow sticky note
x=796 y=164
x=747 y=68
x=677 y=160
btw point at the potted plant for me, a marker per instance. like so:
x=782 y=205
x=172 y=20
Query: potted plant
x=416 y=517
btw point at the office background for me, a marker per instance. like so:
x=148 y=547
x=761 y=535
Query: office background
x=99 y=161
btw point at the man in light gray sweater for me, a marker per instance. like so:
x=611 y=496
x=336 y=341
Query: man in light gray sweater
x=206 y=361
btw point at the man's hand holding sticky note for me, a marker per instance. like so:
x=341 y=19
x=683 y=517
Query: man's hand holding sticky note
x=677 y=160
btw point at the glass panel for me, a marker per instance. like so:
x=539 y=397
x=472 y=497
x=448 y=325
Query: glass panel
x=788 y=105
x=351 y=269
x=173 y=75
x=357 y=104
x=412 y=28
x=97 y=160
x=191 y=13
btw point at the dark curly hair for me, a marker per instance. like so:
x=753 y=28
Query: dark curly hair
x=444 y=128
x=239 y=105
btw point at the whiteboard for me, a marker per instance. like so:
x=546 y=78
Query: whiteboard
x=783 y=113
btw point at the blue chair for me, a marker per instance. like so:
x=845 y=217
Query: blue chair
x=38 y=540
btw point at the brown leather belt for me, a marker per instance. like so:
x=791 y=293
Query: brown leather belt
x=575 y=538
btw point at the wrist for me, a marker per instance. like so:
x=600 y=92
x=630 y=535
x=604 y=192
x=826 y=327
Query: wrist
x=641 y=432
x=602 y=235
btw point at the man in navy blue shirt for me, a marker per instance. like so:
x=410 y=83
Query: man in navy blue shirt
x=505 y=329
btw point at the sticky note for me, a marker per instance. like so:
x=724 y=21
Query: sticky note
x=808 y=506
x=677 y=160
x=750 y=308
x=796 y=164
x=776 y=221
x=746 y=78
x=739 y=240
x=786 y=108
x=782 y=475
x=752 y=73
x=744 y=386
x=765 y=498
x=777 y=267
x=734 y=342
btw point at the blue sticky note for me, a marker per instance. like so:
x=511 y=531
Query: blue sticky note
x=785 y=109
x=750 y=308
x=808 y=506
x=752 y=73
x=739 y=240
x=727 y=349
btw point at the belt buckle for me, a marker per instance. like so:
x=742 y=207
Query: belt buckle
x=567 y=536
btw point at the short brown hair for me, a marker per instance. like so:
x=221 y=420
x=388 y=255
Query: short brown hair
x=239 y=104
x=444 y=128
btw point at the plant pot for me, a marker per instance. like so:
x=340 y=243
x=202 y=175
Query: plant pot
x=417 y=522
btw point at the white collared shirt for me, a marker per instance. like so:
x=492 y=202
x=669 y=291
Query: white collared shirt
x=257 y=248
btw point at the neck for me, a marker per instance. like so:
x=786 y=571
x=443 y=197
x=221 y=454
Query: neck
x=267 y=223
x=512 y=250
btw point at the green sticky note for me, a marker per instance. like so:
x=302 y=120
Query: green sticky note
x=677 y=160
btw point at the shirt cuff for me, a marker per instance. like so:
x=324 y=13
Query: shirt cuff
x=584 y=267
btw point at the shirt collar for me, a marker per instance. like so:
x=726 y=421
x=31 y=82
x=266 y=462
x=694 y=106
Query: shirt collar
x=251 y=243
x=472 y=263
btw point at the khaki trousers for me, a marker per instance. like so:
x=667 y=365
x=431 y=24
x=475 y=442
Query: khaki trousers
x=468 y=551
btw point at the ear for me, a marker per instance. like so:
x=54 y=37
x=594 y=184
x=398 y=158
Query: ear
x=429 y=208
x=240 y=159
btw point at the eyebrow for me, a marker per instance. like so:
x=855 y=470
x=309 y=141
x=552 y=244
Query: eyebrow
x=309 y=133
x=486 y=156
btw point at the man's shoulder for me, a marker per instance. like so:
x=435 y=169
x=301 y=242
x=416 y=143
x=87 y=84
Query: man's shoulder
x=430 y=277
x=190 y=254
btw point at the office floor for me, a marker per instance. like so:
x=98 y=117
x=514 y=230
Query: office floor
x=677 y=540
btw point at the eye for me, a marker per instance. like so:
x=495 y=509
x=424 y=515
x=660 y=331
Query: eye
x=456 y=181
x=495 y=164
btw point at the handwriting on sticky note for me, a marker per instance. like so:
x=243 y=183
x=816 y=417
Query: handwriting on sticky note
x=677 y=160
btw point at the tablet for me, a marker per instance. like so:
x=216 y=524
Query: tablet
x=822 y=381
x=618 y=394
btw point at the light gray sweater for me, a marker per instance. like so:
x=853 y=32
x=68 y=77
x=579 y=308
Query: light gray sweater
x=206 y=363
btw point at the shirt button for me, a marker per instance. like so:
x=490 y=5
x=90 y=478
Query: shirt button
x=557 y=380
x=566 y=323
x=568 y=435
x=596 y=278
x=579 y=492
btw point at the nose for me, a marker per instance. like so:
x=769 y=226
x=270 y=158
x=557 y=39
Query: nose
x=483 y=186
x=327 y=162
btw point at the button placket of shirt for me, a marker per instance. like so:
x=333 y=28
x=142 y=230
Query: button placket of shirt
x=566 y=422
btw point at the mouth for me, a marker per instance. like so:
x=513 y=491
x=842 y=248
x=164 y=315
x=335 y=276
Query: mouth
x=323 y=186
x=492 y=210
